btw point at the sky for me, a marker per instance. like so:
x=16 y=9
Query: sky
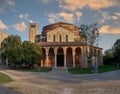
x=15 y=16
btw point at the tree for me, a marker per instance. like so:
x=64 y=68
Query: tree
x=108 y=56
x=91 y=32
x=32 y=54
x=113 y=54
x=116 y=53
x=9 y=48
x=20 y=53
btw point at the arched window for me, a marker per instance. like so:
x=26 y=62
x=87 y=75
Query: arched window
x=66 y=38
x=60 y=38
x=53 y=38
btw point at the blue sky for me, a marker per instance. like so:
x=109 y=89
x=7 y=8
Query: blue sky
x=15 y=16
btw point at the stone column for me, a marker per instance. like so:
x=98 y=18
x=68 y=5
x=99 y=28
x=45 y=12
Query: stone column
x=65 y=57
x=47 y=52
x=73 y=57
x=101 y=58
x=82 y=52
x=55 y=51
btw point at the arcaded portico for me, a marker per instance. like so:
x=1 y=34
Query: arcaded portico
x=63 y=46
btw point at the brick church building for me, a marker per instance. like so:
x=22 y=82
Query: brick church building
x=63 y=46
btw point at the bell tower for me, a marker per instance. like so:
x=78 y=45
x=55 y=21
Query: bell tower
x=33 y=31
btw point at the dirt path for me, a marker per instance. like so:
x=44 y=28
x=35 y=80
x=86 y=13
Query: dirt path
x=30 y=83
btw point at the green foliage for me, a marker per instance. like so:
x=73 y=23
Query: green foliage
x=107 y=68
x=108 y=58
x=9 y=44
x=19 y=53
x=113 y=54
x=4 y=78
x=32 y=54
x=116 y=53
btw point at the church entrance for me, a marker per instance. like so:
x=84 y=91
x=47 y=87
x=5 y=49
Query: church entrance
x=60 y=57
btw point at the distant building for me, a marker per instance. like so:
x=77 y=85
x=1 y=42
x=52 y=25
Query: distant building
x=63 y=46
x=3 y=35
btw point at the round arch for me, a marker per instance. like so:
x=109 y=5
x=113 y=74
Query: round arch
x=43 y=64
x=69 y=57
x=51 y=59
x=78 y=57
x=60 y=57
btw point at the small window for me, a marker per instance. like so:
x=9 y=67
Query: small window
x=60 y=38
x=53 y=38
x=66 y=38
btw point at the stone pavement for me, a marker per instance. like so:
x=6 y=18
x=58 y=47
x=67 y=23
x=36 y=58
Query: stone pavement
x=62 y=82
x=64 y=75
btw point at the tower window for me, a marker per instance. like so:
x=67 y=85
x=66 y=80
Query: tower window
x=60 y=38
x=53 y=38
x=66 y=38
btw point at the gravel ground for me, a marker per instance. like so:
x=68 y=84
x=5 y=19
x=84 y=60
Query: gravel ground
x=56 y=83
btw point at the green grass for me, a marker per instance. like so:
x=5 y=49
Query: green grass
x=107 y=68
x=4 y=78
x=80 y=71
x=37 y=70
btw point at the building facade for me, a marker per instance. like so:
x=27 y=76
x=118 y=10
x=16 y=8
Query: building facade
x=3 y=35
x=63 y=46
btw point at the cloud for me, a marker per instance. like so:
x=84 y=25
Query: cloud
x=30 y=21
x=21 y=26
x=65 y=17
x=62 y=16
x=46 y=1
x=78 y=14
x=79 y=4
x=2 y=26
x=6 y=4
x=109 y=30
x=116 y=16
x=105 y=16
x=23 y=16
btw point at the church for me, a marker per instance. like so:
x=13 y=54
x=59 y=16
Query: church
x=63 y=46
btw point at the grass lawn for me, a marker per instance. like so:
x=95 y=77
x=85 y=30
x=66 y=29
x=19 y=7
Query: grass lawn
x=36 y=70
x=4 y=78
x=80 y=71
x=107 y=68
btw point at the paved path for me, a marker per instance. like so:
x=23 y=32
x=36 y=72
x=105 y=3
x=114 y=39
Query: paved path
x=64 y=75
x=62 y=82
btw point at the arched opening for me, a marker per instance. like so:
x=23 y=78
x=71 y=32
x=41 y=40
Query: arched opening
x=43 y=64
x=78 y=57
x=60 y=57
x=69 y=58
x=51 y=60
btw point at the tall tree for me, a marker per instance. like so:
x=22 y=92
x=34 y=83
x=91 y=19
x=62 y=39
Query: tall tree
x=9 y=45
x=32 y=54
x=116 y=48
x=19 y=53
x=91 y=32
